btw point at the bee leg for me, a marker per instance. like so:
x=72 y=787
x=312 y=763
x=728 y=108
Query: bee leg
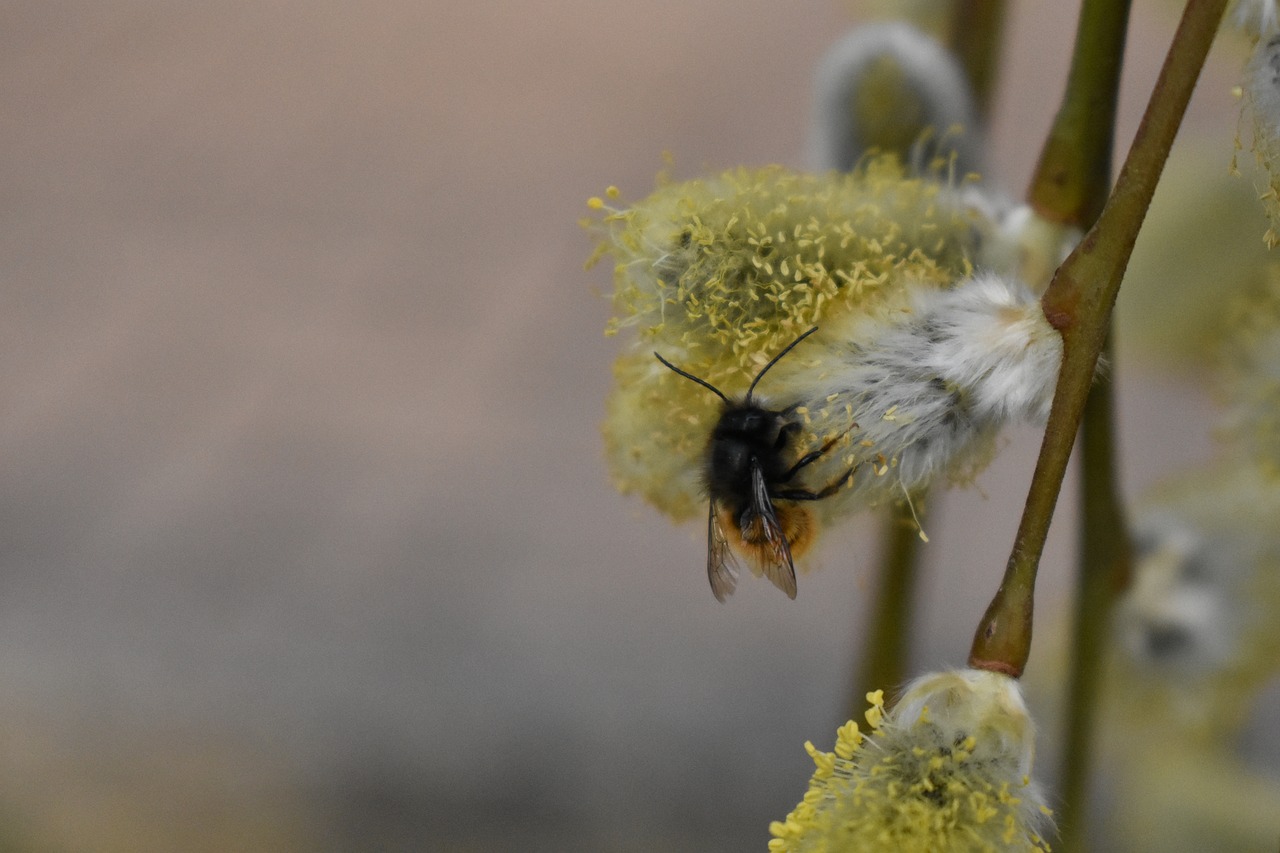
x=806 y=495
x=814 y=455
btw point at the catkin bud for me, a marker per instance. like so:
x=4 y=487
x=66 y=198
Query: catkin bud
x=890 y=87
x=948 y=768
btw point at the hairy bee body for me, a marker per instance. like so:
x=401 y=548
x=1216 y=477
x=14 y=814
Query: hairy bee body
x=747 y=461
x=751 y=469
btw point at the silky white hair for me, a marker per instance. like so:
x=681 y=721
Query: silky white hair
x=922 y=390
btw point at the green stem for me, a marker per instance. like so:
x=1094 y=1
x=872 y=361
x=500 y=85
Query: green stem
x=884 y=661
x=1078 y=302
x=1102 y=573
x=1074 y=173
x=1071 y=186
x=975 y=34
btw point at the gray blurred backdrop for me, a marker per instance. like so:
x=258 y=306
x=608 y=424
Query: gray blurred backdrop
x=306 y=538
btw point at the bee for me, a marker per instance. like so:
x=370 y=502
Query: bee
x=751 y=481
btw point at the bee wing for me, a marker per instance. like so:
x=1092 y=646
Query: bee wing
x=773 y=551
x=722 y=566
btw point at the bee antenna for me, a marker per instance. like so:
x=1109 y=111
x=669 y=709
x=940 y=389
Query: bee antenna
x=789 y=347
x=704 y=383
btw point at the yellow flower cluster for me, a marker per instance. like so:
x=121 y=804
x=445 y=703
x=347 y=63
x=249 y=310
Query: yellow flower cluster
x=751 y=258
x=720 y=274
x=946 y=770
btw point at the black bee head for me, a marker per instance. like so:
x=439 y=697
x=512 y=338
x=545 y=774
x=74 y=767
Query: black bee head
x=746 y=436
x=750 y=425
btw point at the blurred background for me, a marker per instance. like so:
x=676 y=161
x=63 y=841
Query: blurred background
x=306 y=538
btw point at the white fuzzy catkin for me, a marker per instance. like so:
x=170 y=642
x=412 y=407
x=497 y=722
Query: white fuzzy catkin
x=1256 y=18
x=1198 y=621
x=1176 y=617
x=1262 y=96
x=1199 y=641
x=923 y=393
x=892 y=87
x=990 y=339
x=1263 y=76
